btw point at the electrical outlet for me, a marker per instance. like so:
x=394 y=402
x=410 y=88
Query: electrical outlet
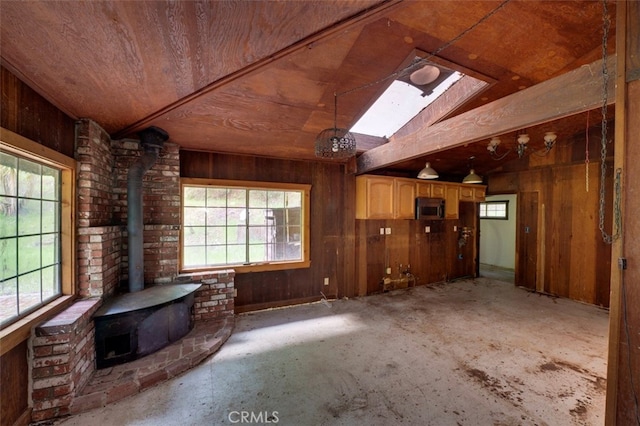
x=388 y=271
x=455 y=228
x=235 y=292
x=387 y=231
x=326 y=280
x=427 y=229
x=381 y=231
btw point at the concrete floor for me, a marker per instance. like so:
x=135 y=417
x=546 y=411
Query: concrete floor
x=471 y=352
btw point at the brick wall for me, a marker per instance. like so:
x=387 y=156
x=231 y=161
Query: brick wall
x=63 y=352
x=95 y=175
x=99 y=255
x=161 y=208
x=215 y=299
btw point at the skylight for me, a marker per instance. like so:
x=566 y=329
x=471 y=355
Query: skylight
x=397 y=106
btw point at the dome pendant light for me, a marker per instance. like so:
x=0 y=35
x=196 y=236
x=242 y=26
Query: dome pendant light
x=472 y=177
x=428 y=172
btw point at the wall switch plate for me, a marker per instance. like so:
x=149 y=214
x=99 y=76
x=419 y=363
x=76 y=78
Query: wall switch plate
x=388 y=271
x=387 y=231
x=381 y=231
x=326 y=280
x=427 y=229
x=455 y=228
x=235 y=292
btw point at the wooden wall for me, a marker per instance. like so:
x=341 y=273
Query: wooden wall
x=434 y=257
x=25 y=112
x=28 y=114
x=332 y=227
x=572 y=259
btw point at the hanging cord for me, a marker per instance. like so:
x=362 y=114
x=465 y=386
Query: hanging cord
x=586 y=156
x=607 y=238
x=425 y=60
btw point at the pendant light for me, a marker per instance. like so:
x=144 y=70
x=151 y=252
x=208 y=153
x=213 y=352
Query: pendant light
x=428 y=172
x=335 y=143
x=472 y=177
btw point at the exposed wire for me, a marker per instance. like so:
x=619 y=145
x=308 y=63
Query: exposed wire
x=426 y=59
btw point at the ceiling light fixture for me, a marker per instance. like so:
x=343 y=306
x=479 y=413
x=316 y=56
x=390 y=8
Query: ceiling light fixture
x=472 y=177
x=428 y=172
x=425 y=75
x=335 y=143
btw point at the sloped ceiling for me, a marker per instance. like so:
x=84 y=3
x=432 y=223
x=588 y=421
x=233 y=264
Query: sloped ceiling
x=259 y=77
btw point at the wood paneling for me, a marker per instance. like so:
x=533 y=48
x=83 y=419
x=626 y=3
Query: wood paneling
x=14 y=376
x=434 y=257
x=572 y=260
x=332 y=227
x=28 y=114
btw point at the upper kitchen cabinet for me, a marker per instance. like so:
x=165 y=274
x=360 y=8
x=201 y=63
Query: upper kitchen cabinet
x=384 y=197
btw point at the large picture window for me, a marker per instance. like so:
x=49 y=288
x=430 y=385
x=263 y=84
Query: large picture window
x=244 y=224
x=36 y=228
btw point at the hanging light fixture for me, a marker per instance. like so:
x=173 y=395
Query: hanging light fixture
x=472 y=177
x=428 y=172
x=335 y=143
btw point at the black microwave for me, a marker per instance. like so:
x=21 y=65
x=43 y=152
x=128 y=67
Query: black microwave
x=429 y=208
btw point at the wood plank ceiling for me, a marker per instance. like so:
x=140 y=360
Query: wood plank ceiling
x=259 y=77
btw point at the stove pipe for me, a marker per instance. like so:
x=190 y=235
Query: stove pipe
x=151 y=141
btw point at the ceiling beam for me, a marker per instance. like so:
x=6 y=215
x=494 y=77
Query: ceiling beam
x=577 y=91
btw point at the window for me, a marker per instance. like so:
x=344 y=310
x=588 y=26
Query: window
x=35 y=227
x=244 y=225
x=494 y=210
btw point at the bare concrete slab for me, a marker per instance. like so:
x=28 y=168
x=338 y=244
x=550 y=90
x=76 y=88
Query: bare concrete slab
x=471 y=352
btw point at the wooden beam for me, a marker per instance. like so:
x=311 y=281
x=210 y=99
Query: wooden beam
x=367 y=142
x=569 y=94
x=361 y=18
x=444 y=105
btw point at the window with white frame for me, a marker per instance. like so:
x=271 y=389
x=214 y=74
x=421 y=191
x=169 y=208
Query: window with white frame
x=32 y=203
x=236 y=224
x=494 y=210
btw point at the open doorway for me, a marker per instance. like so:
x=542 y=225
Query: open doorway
x=498 y=237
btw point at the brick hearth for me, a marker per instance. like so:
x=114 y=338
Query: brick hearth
x=112 y=384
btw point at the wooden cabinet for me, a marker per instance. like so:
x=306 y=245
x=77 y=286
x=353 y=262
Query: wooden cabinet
x=423 y=189
x=451 y=199
x=374 y=197
x=384 y=197
x=404 y=198
x=472 y=193
x=381 y=197
x=438 y=190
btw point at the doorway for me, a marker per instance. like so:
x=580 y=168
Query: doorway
x=498 y=237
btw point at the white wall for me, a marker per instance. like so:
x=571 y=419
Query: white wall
x=498 y=237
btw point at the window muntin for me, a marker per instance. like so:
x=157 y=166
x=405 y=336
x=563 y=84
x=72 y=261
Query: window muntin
x=238 y=224
x=30 y=235
x=494 y=210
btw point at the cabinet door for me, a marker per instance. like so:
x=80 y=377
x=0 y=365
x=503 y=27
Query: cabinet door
x=451 y=206
x=380 y=198
x=467 y=193
x=423 y=189
x=405 y=198
x=438 y=190
x=479 y=194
